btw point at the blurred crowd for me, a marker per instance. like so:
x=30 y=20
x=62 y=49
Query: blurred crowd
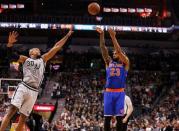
x=164 y=116
x=145 y=87
x=4 y=103
x=83 y=106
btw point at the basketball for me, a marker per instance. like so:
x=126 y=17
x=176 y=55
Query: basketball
x=94 y=8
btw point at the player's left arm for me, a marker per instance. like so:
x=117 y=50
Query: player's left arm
x=12 y=39
x=47 y=56
x=124 y=59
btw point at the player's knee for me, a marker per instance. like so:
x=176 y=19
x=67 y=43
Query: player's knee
x=23 y=118
x=12 y=110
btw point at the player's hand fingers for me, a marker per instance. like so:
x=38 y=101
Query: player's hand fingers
x=13 y=33
x=110 y=30
x=71 y=31
x=99 y=30
x=14 y=41
x=16 y=34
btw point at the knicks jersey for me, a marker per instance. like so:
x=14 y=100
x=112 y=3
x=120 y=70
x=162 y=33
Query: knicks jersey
x=33 y=72
x=115 y=75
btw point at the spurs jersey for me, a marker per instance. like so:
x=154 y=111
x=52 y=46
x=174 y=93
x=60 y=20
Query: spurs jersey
x=33 y=72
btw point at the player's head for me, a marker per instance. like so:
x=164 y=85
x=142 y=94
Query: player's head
x=115 y=55
x=34 y=53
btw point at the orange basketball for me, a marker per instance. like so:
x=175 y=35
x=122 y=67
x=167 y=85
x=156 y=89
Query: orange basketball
x=94 y=8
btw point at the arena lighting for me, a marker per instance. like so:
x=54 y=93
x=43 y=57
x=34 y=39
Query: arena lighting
x=20 y=6
x=107 y=9
x=44 y=108
x=115 y=10
x=4 y=6
x=125 y=10
x=148 y=10
x=139 y=10
x=86 y=27
x=131 y=10
x=12 y=6
x=176 y=27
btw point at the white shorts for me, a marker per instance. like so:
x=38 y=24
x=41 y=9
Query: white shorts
x=24 y=98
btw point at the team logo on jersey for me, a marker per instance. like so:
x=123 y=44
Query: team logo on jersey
x=121 y=111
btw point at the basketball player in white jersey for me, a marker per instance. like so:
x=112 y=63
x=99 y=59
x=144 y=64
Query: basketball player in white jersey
x=26 y=93
x=128 y=109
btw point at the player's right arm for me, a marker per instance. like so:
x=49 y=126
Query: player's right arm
x=51 y=53
x=11 y=41
x=104 y=49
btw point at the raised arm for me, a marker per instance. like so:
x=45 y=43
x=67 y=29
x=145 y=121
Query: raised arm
x=104 y=49
x=11 y=41
x=47 y=56
x=123 y=58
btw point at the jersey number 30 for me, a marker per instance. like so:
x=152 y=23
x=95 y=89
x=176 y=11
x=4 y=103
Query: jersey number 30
x=31 y=63
x=114 y=72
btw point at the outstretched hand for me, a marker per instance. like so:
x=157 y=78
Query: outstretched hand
x=70 y=32
x=99 y=30
x=112 y=32
x=12 y=38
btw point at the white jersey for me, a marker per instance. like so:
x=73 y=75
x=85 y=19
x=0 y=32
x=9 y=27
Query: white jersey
x=33 y=72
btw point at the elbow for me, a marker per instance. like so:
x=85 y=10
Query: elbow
x=127 y=62
x=132 y=109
